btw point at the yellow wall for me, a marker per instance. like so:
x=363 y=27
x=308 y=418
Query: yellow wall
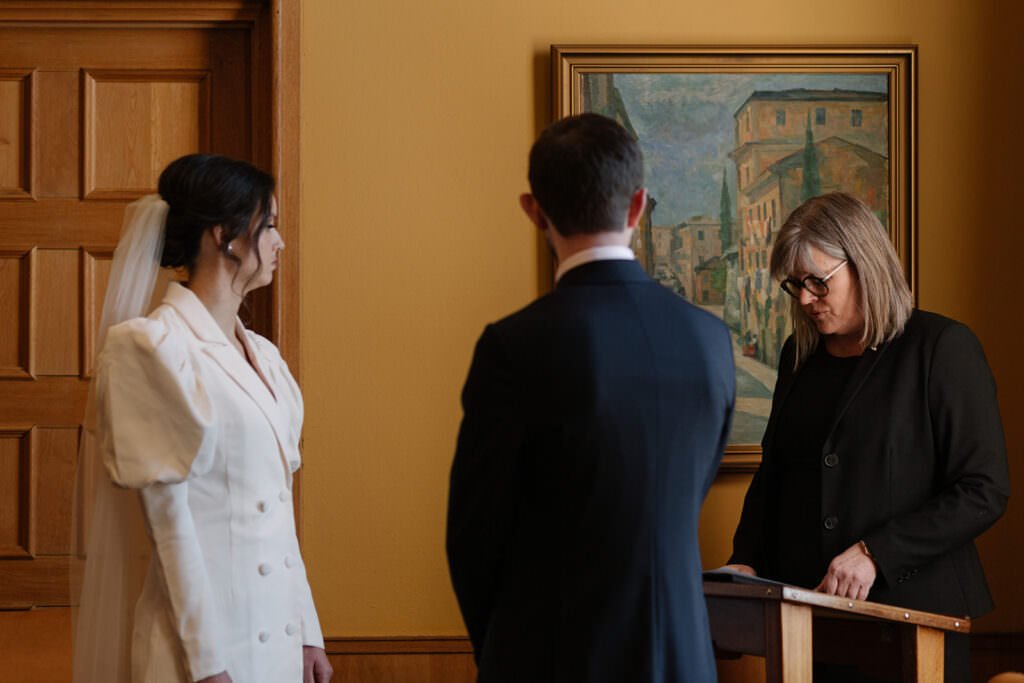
x=417 y=117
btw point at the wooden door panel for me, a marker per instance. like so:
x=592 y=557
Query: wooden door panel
x=15 y=312
x=39 y=582
x=57 y=154
x=60 y=48
x=94 y=224
x=54 y=455
x=232 y=95
x=124 y=150
x=56 y=346
x=15 y=501
x=95 y=274
x=44 y=400
x=15 y=110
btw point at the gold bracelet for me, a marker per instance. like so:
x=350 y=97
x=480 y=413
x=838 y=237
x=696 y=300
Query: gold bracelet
x=864 y=547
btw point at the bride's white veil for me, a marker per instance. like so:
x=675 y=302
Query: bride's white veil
x=112 y=533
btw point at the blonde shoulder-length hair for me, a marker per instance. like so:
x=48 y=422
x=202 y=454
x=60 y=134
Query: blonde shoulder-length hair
x=844 y=228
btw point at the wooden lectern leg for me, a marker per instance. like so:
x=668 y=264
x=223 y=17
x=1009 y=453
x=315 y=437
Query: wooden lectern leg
x=923 y=654
x=788 y=645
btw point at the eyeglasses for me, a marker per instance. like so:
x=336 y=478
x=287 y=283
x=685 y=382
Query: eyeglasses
x=813 y=284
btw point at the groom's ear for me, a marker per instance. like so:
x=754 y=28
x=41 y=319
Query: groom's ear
x=531 y=207
x=637 y=204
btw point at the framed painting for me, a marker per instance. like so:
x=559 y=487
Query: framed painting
x=734 y=139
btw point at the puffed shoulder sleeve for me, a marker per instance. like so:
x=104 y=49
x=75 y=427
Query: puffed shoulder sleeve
x=286 y=390
x=155 y=421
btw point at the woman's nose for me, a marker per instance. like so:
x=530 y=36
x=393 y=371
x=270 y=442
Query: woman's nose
x=806 y=297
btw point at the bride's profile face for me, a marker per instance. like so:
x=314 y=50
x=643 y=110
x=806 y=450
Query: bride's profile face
x=258 y=272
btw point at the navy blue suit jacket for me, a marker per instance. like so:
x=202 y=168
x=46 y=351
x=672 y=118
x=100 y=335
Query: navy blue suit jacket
x=594 y=422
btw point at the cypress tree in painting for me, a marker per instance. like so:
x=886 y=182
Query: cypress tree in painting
x=725 y=216
x=811 y=186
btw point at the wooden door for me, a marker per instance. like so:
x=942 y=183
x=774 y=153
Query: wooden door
x=95 y=99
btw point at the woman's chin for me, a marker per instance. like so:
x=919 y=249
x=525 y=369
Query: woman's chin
x=260 y=282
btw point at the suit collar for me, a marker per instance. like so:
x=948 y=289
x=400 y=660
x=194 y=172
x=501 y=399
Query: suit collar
x=198 y=318
x=216 y=345
x=601 y=252
x=194 y=313
x=604 y=273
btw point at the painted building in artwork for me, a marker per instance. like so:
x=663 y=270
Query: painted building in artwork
x=772 y=124
x=709 y=282
x=697 y=240
x=663 y=238
x=731 y=305
x=849 y=134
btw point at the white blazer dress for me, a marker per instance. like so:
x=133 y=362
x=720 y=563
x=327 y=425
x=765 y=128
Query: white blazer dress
x=183 y=418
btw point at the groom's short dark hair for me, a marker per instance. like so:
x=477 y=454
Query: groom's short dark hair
x=584 y=170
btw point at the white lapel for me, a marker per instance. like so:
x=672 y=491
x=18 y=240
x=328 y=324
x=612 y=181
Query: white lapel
x=216 y=345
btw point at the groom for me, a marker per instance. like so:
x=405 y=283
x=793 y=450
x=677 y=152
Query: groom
x=594 y=422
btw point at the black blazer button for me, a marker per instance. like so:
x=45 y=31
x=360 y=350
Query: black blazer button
x=831 y=522
x=831 y=460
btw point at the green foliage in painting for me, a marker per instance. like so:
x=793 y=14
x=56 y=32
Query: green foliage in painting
x=725 y=215
x=811 y=186
x=718 y=276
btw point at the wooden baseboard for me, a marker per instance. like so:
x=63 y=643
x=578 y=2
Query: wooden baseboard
x=35 y=647
x=407 y=659
x=402 y=659
x=399 y=645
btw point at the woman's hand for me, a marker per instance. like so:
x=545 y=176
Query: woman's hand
x=850 y=574
x=741 y=568
x=222 y=677
x=315 y=666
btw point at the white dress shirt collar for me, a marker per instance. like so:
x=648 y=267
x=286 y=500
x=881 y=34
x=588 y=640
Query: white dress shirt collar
x=604 y=253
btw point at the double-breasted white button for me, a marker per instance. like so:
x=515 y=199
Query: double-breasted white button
x=285 y=495
x=291 y=629
x=288 y=561
x=265 y=569
x=264 y=636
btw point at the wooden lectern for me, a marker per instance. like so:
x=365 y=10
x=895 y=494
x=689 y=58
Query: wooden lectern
x=793 y=627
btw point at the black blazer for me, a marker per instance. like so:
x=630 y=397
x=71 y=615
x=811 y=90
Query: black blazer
x=914 y=464
x=594 y=422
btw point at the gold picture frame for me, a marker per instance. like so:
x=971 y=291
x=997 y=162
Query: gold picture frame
x=847 y=113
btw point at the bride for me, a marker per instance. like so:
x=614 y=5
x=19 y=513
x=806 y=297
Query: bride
x=195 y=425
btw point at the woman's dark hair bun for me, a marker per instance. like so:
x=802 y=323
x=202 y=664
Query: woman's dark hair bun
x=204 y=190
